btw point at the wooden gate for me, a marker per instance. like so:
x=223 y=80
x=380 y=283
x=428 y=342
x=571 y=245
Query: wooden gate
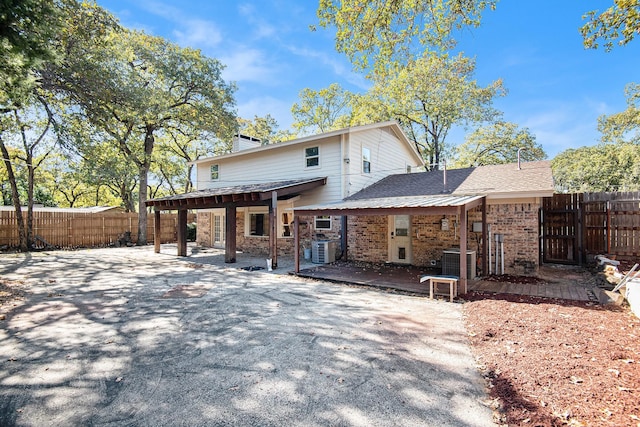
x=576 y=227
x=560 y=223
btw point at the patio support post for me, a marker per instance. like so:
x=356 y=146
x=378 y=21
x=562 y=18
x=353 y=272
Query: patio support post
x=273 y=229
x=485 y=235
x=156 y=230
x=463 y=249
x=182 y=232
x=230 y=234
x=296 y=243
x=343 y=237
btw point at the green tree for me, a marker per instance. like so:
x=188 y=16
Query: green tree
x=26 y=131
x=623 y=126
x=27 y=28
x=266 y=129
x=618 y=24
x=431 y=95
x=604 y=167
x=323 y=110
x=377 y=34
x=498 y=143
x=135 y=87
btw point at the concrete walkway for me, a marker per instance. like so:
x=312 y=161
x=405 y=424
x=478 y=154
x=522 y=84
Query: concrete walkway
x=125 y=336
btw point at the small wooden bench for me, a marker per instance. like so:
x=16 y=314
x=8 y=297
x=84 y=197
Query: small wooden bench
x=434 y=281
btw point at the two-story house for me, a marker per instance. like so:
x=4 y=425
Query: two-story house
x=246 y=198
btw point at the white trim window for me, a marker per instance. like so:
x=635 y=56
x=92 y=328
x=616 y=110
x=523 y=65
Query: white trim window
x=312 y=157
x=286 y=224
x=322 y=222
x=366 y=160
x=257 y=222
x=215 y=172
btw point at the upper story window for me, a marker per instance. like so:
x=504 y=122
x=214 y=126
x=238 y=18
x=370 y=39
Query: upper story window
x=312 y=156
x=215 y=172
x=366 y=160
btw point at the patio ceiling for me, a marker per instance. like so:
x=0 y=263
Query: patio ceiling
x=410 y=205
x=238 y=195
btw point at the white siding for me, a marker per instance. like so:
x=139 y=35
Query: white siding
x=389 y=156
x=277 y=165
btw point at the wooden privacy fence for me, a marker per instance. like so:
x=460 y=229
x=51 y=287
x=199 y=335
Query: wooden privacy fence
x=81 y=229
x=576 y=227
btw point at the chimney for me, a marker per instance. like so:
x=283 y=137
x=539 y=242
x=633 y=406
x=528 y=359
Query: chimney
x=245 y=142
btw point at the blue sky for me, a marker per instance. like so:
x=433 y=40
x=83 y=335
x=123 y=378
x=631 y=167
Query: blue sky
x=557 y=89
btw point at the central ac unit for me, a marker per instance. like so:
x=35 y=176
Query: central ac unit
x=451 y=263
x=323 y=251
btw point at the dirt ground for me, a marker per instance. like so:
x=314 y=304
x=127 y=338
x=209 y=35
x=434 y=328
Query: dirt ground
x=547 y=362
x=556 y=362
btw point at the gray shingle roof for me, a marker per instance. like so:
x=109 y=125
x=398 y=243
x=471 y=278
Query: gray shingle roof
x=414 y=184
x=533 y=178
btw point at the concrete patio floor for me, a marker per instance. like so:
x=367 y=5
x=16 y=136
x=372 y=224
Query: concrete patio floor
x=563 y=282
x=560 y=281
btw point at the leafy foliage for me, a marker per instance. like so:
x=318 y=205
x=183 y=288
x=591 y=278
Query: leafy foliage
x=323 y=110
x=264 y=128
x=618 y=24
x=625 y=125
x=26 y=30
x=605 y=167
x=496 y=144
x=431 y=95
x=377 y=34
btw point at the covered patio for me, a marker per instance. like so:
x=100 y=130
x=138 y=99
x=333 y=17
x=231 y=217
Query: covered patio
x=231 y=198
x=412 y=205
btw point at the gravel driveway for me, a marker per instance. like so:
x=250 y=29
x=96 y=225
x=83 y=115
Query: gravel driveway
x=129 y=337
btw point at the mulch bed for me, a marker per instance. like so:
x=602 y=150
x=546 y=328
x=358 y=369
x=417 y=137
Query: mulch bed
x=552 y=362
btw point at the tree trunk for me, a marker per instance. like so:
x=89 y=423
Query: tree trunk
x=143 y=170
x=30 y=185
x=22 y=234
x=142 y=208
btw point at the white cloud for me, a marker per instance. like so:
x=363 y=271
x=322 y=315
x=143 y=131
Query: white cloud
x=198 y=33
x=340 y=68
x=560 y=127
x=259 y=27
x=191 y=32
x=261 y=106
x=248 y=65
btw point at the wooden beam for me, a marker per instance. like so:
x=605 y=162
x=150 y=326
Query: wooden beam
x=296 y=243
x=182 y=232
x=230 y=232
x=343 y=236
x=273 y=225
x=485 y=234
x=156 y=230
x=463 y=250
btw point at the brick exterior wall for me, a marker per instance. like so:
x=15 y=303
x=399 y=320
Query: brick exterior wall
x=519 y=225
x=368 y=237
x=429 y=240
x=203 y=229
x=258 y=245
